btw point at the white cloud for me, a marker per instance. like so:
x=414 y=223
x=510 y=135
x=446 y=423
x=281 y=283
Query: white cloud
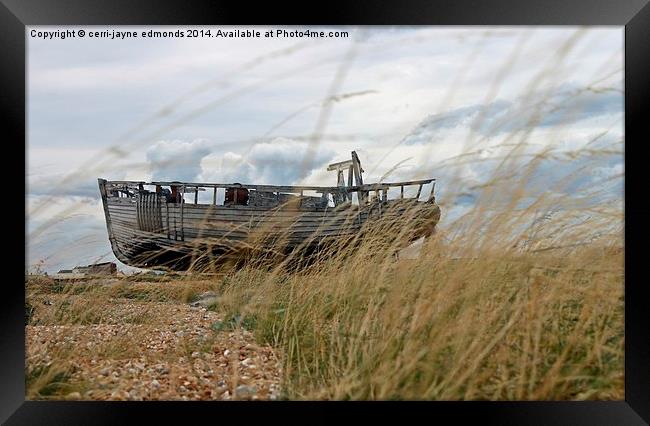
x=177 y=160
x=279 y=161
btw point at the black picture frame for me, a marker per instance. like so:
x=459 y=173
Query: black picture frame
x=633 y=14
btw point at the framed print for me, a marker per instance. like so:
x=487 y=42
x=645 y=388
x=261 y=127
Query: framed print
x=429 y=206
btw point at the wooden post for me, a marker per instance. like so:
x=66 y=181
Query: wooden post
x=214 y=197
x=348 y=195
x=433 y=185
x=379 y=201
x=182 y=218
x=358 y=177
x=402 y=192
x=175 y=226
x=196 y=195
x=167 y=210
x=417 y=197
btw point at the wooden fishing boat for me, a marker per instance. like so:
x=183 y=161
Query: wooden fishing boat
x=150 y=225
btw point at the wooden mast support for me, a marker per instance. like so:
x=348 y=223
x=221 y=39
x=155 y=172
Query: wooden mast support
x=358 y=176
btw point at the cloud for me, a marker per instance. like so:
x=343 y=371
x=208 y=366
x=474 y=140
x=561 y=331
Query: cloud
x=566 y=105
x=277 y=162
x=426 y=131
x=581 y=105
x=177 y=160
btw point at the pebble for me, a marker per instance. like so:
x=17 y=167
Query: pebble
x=162 y=370
x=147 y=355
x=243 y=391
x=248 y=363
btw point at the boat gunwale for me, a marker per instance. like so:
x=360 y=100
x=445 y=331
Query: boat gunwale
x=280 y=188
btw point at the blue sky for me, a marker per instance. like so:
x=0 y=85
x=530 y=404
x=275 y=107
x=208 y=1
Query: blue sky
x=245 y=110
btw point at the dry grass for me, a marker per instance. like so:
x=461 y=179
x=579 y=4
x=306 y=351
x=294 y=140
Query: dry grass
x=498 y=325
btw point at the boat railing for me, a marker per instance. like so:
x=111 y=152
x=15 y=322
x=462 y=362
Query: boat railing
x=339 y=194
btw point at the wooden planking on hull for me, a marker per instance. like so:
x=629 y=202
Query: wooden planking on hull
x=232 y=231
x=191 y=220
x=114 y=204
x=220 y=216
x=293 y=233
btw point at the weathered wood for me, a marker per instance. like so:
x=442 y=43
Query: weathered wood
x=142 y=231
x=167 y=219
x=266 y=188
x=182 y=210
x=340 y=165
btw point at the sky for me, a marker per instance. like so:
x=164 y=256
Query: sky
x=411 y=101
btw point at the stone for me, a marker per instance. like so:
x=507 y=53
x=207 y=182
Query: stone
x=243 y=391
x=205 y=300
x=217 y=326
x=162 y=370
